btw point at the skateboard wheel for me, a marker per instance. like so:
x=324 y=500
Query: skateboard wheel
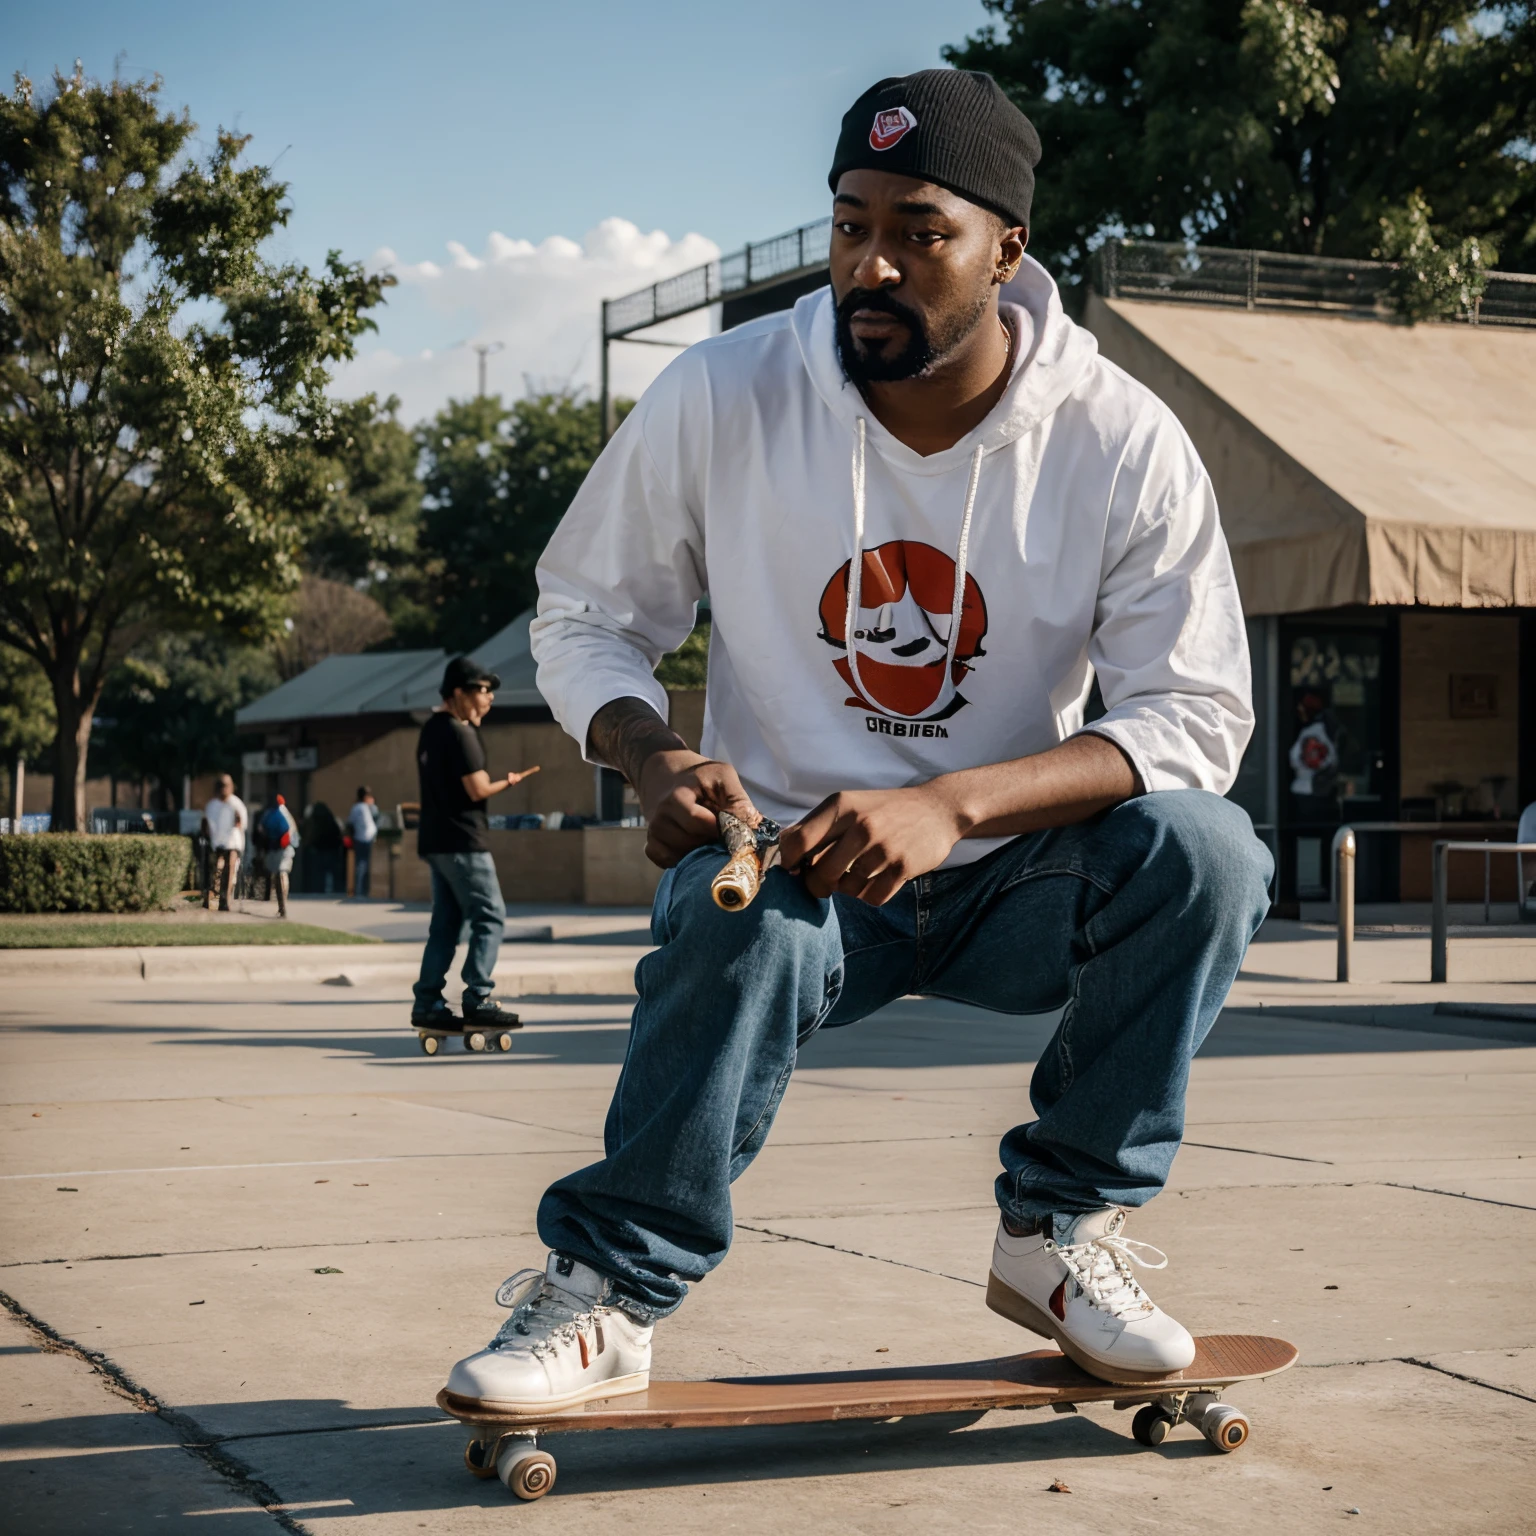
x=503 y=1041
x=475 y=1040
x=529 y=1473
x=430 y=1044
x=1225 y=1427
x=478 y=1458
x=1151 y=1425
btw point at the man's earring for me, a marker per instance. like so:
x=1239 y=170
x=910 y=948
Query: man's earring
x=1007 y=274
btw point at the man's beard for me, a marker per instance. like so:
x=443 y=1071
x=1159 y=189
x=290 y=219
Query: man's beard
x=922 y=352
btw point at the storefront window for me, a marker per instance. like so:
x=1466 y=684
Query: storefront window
x=1333 y=740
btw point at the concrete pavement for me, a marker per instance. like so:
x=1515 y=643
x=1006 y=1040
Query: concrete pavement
x=247 y=1227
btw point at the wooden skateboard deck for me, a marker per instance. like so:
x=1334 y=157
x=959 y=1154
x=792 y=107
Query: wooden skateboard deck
x=506 y=1444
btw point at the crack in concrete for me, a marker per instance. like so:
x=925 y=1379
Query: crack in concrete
x=878 y=1258
x=1425 y=1365
x=485 y=1114
x=183 y=1253
x=333 y=1429
x=1420 y=1189
x=1285 y=1157
x=318 y=1162
x=1475 y=1381
x=193 y=1440
x=1452 y=1194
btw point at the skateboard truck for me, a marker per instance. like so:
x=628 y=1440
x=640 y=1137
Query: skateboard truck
x=1223 y=1425
x=753 y=850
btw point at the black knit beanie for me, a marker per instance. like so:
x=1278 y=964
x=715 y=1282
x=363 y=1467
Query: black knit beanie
x=954 y=127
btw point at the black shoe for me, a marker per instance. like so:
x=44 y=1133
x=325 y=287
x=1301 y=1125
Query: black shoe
x=490 y=1015
x=440 y=1017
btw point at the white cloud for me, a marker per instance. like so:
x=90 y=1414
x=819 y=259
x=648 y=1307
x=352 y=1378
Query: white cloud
x=540 y=301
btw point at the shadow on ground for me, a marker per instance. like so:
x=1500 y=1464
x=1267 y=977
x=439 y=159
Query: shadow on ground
x=405 y=1461
x=914 y=1033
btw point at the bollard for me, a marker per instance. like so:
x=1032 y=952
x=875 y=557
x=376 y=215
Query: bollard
x=1437 y=921
x=1344 y=888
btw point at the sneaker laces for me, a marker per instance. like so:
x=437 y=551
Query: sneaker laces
x=1102 y=1269
x=544 y=1318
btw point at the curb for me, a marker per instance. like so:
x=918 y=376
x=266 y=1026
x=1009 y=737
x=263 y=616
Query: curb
x=347 y=965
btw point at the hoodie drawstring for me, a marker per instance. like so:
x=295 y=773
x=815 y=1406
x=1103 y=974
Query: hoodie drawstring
x=856 y=565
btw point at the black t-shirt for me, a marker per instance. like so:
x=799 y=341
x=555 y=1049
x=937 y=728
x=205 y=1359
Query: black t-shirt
x=450 y=821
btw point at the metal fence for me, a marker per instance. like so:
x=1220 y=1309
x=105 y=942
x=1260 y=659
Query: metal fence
x=1154 y=269
x=798 y=250
x=1122 y=269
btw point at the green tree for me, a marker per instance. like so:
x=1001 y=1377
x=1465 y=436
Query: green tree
x=688 y=665
x=1400 y=129
x=497 y=479
x=168 y=711
x=26 y=715
x=366 y=534
x=164 y=391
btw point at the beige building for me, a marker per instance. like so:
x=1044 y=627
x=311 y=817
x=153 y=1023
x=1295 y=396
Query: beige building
x=1377 y=484
x=354 y=720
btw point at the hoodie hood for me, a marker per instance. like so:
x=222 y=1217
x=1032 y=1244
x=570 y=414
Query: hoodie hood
x=1051 y=356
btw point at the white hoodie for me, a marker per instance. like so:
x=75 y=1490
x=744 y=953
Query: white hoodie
x=1078 y=516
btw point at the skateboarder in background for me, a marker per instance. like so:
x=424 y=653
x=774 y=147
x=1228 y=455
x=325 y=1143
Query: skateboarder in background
x=453 y=836
x=926 y=521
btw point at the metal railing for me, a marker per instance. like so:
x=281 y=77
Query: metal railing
x=1344 y=850
x=1439 y=923
x=1199 y=274
x=767 y=261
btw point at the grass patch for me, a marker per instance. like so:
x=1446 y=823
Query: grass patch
x=43 y=933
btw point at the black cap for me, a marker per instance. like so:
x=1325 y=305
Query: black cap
x=954 y=127
x=465 y=672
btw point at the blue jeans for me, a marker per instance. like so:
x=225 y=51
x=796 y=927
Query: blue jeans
x=464 y=890
x=362 y=867
x=1135 y=923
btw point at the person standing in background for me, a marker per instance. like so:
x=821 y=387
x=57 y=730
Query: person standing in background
x=224 y=822
x=363 y=824
x=454 y=838
x=282 y=834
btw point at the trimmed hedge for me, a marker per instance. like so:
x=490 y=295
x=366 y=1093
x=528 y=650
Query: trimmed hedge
x=75 y=872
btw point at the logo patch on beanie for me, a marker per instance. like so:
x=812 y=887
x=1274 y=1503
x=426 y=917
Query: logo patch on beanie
x=890 y=127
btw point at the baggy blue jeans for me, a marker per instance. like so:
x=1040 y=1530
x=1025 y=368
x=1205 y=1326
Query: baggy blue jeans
x=464 y=890
x=1135 y=923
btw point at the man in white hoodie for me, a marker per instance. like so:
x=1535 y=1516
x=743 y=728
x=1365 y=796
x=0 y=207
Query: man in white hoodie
x=926 y=522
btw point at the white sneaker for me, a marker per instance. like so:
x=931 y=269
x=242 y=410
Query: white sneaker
x=564 y=1343
x=1081 y=1293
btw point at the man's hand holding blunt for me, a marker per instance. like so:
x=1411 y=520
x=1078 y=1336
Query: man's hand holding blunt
x=680 y=790
x=869 y=843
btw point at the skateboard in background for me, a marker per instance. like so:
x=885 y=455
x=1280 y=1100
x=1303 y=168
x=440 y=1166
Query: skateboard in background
x=477 y=1038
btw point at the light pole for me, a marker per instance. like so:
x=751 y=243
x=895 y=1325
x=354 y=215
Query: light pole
x=483 y=350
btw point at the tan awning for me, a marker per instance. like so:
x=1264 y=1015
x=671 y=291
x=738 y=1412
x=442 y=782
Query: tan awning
x=1355 y=461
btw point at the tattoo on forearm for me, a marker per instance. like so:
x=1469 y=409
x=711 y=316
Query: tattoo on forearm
x=625 y=733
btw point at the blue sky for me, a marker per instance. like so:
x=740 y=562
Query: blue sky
x=403 y=127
